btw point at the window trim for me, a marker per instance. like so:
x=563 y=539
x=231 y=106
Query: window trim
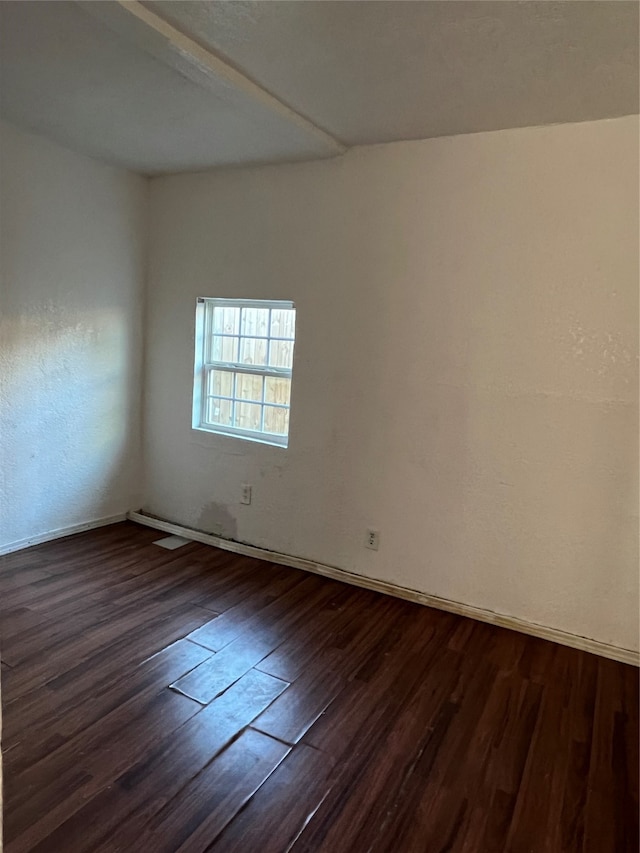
x=204 y=364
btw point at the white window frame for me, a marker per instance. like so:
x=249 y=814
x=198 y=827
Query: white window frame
x=204 y=364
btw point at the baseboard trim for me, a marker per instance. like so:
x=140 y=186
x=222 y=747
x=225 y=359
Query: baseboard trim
x=545 y=632
x=60 y=532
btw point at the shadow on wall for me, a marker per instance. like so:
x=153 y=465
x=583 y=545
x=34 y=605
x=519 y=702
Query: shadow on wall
x=603 y=570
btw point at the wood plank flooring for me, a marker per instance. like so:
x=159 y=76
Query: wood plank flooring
x=195 y=700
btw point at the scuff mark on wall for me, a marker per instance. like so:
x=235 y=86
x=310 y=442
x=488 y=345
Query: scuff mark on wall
x=605 y=354
x=215 y=518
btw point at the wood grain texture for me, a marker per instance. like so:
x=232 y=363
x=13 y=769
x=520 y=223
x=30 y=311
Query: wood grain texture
x=200 y=812
x=329 y=718
x=212 y=677
x=302 y=781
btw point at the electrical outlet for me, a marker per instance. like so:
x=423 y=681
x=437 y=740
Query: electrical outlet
x=372 y=540
x=245 y=495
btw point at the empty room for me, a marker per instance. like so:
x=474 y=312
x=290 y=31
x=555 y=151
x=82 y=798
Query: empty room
x=319 y=426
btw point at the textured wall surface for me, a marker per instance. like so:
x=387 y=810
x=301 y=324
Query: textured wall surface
x=72 y=259
x=465 y=374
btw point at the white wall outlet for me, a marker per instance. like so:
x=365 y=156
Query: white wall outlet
x=245 y=495
x=372 y=540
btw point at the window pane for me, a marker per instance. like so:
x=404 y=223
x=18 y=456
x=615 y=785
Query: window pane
x=281 y=354
x=283 y=323
x=219 y=411
x=245 y=335
x=255 y=321
x=248 y=416
x=277 y=390
x=224 y=349
x=220 y=383
x=226 y=320
x=253 y=351
x=276 y=420
x=249 y=387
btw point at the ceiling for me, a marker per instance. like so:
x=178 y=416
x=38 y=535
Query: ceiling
x=173 y=86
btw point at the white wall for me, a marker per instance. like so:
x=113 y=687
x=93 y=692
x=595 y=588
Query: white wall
x=73 y=243
x=465 y=374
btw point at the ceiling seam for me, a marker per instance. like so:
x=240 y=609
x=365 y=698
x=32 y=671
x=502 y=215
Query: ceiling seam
x=208 y=63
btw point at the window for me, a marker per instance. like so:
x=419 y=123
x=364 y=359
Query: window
x=243 y=364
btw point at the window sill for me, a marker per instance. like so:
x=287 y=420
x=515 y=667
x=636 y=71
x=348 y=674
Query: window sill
x=201 y=432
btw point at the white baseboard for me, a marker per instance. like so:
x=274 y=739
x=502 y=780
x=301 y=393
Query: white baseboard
x=60 y=532
x=535 y=630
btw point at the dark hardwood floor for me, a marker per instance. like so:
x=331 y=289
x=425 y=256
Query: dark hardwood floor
x=195 y=700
